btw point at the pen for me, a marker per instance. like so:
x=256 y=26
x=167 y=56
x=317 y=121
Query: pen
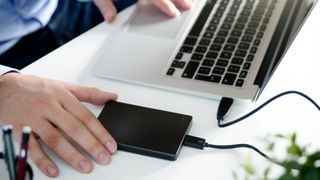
x=22 y=162
x=9 y=151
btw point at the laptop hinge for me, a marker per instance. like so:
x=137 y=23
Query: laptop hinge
x=275 y=49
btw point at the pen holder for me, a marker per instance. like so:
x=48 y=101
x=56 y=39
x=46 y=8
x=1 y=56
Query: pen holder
x=4 y=174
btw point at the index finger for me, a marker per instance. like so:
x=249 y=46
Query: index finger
x=107 y=9
x=167 y=6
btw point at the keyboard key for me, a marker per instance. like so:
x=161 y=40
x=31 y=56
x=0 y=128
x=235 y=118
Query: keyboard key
x=247 y=38
x=256 y=18
x=237 y=61
x=266 y=20
x=208 y=35
x=246 y=66
x=239 y=26
x=263 y=27
x=229 y=79
x=236 y=33
x=233 y=40
x=218 y=70
x=245 y=46
x=239 y=83
x=253 y=25
x=212 y=78
x=204 y=42
x=223 y=33
x=215 y=47
x=256 y=42
x=243 y=74
x=240 y=53
x=253 y=50
x=222 y=63
x=186 y=49
x=229 y=19
x=226 y=26
x=260 y=35
x=225 y=55
x=229 y=47
x=211 y=27
x=174 y=63
x=197 y=57
x=250 y=32
x=208 y=62
x=233 y=69
x=218 y=14
x=215 y=21
x=201 y=49
x=190 y=41
x=245 y=13
x=190 y=69
x=204 y=70
x=212 y=55
x=250 y=58
x=259 y=11
x=197 y=27
x=242 y=19
x=219 y=40
x=232 y=12
x=170 y=72
x=178 y=64
x=179 y=56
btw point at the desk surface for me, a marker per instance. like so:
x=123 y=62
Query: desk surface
x=73 y=63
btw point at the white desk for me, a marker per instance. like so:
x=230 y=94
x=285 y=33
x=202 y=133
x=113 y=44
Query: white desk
x=73 y=63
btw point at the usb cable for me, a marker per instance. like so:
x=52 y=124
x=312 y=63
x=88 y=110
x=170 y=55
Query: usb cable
x=224 y=107
x=200 y=143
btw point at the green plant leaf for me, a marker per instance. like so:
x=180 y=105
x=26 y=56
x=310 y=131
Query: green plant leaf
x=294 y=149
x=311 y=174
x=248 y=166
x=266 y=173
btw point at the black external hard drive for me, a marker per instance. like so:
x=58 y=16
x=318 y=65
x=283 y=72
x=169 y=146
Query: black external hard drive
x=144 y=130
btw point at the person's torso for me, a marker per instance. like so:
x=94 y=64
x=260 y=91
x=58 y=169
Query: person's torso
x=21 y=17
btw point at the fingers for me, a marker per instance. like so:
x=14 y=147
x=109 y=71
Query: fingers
x=59 y=145
x=42 y=161
x=167 y=6
x=78 y=110
x=107 y=9
x=90 y=95
x=185 y=4
x=170 y=7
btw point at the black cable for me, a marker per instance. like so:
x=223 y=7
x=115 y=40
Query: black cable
x=201 y=143
x=248 y=146
x=263 y=105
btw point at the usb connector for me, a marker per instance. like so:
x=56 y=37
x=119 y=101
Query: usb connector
x=194 y=142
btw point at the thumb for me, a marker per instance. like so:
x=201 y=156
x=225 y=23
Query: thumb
x=107 y=9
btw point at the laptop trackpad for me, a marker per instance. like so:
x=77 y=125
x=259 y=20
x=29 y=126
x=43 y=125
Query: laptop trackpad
x=149 y=20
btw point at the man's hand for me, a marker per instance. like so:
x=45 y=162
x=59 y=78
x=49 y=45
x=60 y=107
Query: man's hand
x=109 y=12
x=57 y=118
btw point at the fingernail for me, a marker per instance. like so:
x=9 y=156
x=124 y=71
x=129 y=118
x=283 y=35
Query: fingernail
x=85 y=166
x=110 y=16
x=176 y=12
x=51 y=170
x=104 y=158
x=112 y=147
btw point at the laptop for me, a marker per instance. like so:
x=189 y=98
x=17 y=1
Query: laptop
x=220 y=48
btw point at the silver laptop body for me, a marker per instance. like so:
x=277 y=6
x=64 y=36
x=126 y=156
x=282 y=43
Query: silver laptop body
x=223 y=48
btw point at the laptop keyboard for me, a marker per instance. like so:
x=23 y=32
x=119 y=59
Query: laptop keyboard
x=223 y=43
